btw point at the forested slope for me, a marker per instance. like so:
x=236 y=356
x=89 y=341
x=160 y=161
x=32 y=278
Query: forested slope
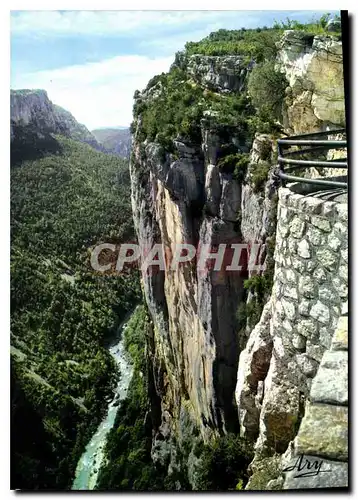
x=62 y=204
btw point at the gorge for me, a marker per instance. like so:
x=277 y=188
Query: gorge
x=230 y=370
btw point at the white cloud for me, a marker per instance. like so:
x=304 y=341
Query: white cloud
x=121 y=22
x=97 y=94
x=108 y=22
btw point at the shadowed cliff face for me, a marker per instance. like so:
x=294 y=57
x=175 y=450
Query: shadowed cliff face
x=182 y=192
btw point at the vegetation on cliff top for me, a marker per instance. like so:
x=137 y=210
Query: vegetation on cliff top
x=61 y=313
x=173 y=104
x=315 y=27
x=254 y=44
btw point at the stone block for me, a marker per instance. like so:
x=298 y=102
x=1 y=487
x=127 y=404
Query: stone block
x=340 y=337
x=329 y=209
x=297 y=227
x=334 y=243
x=327 y=258
x=291 y=293
x=342 y=210
x=281 y=276
x=299 y=342
x=279 y=311
x=283 y=229
x=324 y=432
x=328 y=294
x=282 y=214
x=314 y=236
x=307 y=328
x=320 y=312
x=307 y=365
x=320 y=275
x=311 y=265
x=321 y=223
x=298 y=265
x=340 y=229
x=311 y=205
x=294 y=200
x=289 y=309
x=343 y=272
x=288 y=261
x=292 y=246
x=291 y=277
x=303 y=249
x=325 y=336
x=331 y=382
x=314 y=350
x=341 y=288
x=332 y=474
x=304 y=307
x=284 y=195
x=307 y=286
x=287 y=326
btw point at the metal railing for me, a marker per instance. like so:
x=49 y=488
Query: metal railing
x=315 y=146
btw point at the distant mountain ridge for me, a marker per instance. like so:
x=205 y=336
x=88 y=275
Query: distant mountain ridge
x=32 y=112
x=114 y=140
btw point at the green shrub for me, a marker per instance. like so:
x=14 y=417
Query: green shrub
x=241 y=316
x=315 y=27
x=254 y=44
x=266 y=87
x=259 y=176
x=223 y=463
x=199 y=448
x=241 y=166
x=259 y=285
x=265 y=470
x=235 y=164
x=240 y=485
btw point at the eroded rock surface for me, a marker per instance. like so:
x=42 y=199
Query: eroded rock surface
x=313 y=65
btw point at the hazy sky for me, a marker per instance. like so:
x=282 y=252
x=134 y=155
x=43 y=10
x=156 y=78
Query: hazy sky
x=91 y=62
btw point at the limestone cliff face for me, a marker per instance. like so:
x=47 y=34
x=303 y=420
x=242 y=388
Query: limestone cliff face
x=33 y=109
x=196 y=344
x=313 y=67
x=193 y=312
x=223 y=74
x=205 y=368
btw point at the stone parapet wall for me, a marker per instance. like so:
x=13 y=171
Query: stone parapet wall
x=286 y=347
x=323 y=435
x=311 y=273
